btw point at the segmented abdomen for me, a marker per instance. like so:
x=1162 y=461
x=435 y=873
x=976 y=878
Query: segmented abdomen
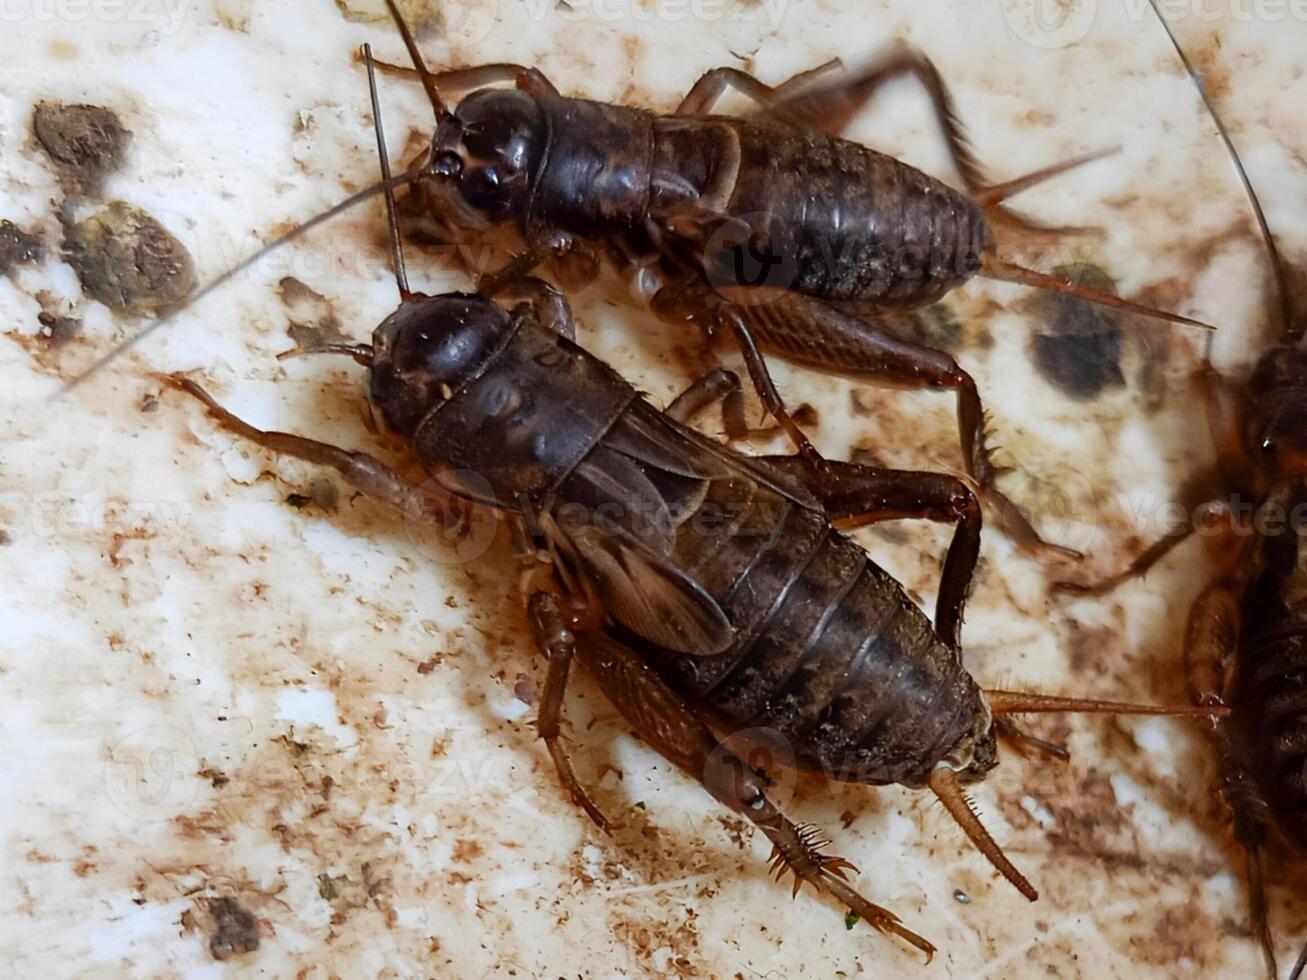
x=832 y=655
x=844 y=222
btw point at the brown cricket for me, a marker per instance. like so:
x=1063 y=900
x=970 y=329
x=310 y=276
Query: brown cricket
x=708 y=593
x=768 y=228
x=1245 y=645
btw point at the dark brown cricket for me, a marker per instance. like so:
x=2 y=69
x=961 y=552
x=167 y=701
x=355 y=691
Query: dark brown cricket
x=1245 y=644
x=708 y=593
x=769 y=227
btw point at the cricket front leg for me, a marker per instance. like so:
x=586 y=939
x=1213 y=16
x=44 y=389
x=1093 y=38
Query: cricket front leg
x=362 y=472
x=664 y=721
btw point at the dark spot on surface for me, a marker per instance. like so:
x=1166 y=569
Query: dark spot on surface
x=5 y=538
x=961 y=897
x=128 y=261
x=17 y=247
x=58 y=330
x=236 y=931
x=217 y=777
x=1078 y=347
x=936 y=326
x=313 y=320
x=86 y=141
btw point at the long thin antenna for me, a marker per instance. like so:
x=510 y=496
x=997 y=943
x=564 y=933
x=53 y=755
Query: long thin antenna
x=402 y=180
x=1289 y=331
x=428 y=80
x=392 y=218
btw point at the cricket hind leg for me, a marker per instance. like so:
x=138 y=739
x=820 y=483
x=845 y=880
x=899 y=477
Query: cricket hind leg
x=821 y=336
x=854 y=495
x=712 y=85
x=668 y=725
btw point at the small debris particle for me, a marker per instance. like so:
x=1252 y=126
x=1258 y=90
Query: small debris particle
x=58 y=330
x=313 y=320
x=5 y=538
x=524 y=690
x=639 y=805
x=962 y=897
x=236 y=932
x=298 y=500
x=17 y=247
x=431 y=663
x=149 y=404
x=128 y=261
x=851 y=920
x=86 y=141
x=217 y=777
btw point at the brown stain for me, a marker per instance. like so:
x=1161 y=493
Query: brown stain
x=128 y=261
x=86 y=142
x=313 y=319
x=235 y=930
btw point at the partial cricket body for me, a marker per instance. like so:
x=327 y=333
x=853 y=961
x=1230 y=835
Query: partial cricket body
x=1246 y=639
x=769 y=228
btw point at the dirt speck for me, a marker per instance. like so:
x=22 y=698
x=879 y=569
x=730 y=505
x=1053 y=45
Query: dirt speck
x=1078 y=348
x=236 y=931
x=313 y=320
x=58 y=330
x=17 y=247
x=128 y=261
x=87 y=142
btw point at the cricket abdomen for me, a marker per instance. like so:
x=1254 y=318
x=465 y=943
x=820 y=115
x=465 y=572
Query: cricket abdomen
x=831 y=653
x=835 y=220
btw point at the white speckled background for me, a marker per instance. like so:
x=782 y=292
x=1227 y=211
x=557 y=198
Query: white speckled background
x=209 y=693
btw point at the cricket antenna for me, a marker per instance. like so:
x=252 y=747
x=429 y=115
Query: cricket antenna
x=420 y=66
x=403 y=180
x=1289 y=330
x=392 y=219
